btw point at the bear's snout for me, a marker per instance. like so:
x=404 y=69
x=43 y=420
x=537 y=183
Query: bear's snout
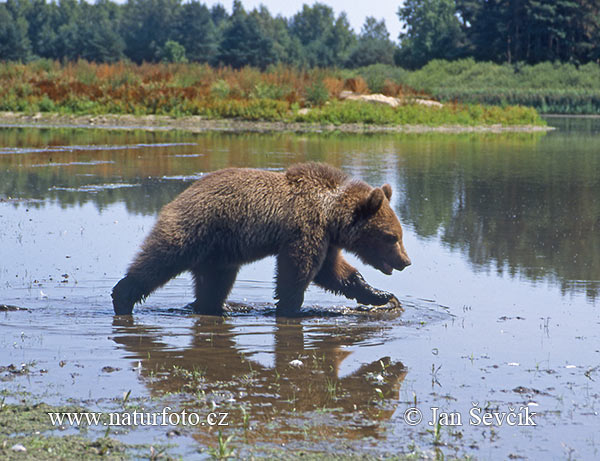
x=400 y=264
x=404 y=262
x=397 y=259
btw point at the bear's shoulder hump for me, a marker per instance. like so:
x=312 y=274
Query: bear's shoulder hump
x=320 y=173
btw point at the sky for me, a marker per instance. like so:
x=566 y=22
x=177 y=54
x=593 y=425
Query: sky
x=356 y=10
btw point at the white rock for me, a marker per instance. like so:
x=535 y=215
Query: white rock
x=378 y=98
x=18 y=447
x=428 y=102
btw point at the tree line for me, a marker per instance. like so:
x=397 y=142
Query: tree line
x=502 y=31
x=510 y=31
x=171 y=30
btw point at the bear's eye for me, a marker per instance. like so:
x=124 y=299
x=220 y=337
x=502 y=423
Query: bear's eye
x=390 y=238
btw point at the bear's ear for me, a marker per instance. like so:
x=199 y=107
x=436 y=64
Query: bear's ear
x=371 y=204
x=387 y=190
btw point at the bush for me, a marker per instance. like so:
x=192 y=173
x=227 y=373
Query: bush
x=316 y=94
x=220 y=89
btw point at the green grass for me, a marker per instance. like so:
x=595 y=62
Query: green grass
x=560 y=88
x=555 y=101
x=415 y=114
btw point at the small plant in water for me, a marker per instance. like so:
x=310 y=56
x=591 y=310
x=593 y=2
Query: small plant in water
x=384 y=365
x=156 y=454
x=245 y=418
x=437 y=433
x=126 y=397
x=434 y=372
x=222 y=451
x=331 y=388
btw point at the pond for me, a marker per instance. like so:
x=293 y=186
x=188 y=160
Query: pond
x=501 y=302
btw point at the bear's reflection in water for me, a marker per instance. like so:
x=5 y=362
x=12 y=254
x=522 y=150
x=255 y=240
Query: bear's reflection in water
x=313 y=397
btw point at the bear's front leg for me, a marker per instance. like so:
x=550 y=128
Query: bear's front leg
x=338 y=276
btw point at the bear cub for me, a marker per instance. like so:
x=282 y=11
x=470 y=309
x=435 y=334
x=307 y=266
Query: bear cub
x=305 y=216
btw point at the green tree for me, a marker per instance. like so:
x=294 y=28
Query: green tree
x=219 y=15
x=285 y=49
x=14 y=43
x=63 y=33
x=325 y=40
x=37 y=14
x=244 y=43
x=97 y=36
x=196 y=32
x=373 y=45
x=585 y=30
x=172 y=51
x=43 y=31
x=531 y=31
x=433 y=31
x=312 y=23
x=340 y=41
x=146 y=27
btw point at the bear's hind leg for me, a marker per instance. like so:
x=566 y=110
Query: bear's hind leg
x=212 y=287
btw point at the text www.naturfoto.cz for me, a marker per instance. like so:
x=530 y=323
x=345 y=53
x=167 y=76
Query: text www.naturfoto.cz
x=138 y=418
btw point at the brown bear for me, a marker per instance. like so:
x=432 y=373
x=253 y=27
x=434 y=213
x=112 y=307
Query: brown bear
x=305 y=215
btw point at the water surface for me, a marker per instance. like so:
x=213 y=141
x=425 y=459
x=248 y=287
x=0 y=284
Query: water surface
x=501 y=299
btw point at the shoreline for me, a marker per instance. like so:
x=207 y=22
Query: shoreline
x=197 y=124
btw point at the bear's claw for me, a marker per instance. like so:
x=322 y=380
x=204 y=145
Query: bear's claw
x=375 y=297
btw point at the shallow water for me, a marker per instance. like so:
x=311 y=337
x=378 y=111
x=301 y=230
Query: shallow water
x=501 y=302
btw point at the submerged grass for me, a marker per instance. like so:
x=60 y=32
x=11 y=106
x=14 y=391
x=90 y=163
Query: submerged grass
x=277 y=94
x=67 y=447
x=27 y=433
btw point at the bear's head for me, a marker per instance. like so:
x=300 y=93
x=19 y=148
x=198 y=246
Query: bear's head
x=378 y=240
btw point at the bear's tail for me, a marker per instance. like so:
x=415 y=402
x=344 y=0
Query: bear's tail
x=125 y=294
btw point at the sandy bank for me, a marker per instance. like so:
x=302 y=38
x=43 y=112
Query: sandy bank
x=198 y=124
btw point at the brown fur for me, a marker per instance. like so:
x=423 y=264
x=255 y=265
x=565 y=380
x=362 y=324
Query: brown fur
x=305 y=216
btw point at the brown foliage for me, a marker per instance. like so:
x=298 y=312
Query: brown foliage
x=166 y=88
x=356 y=85
x=334 y=86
